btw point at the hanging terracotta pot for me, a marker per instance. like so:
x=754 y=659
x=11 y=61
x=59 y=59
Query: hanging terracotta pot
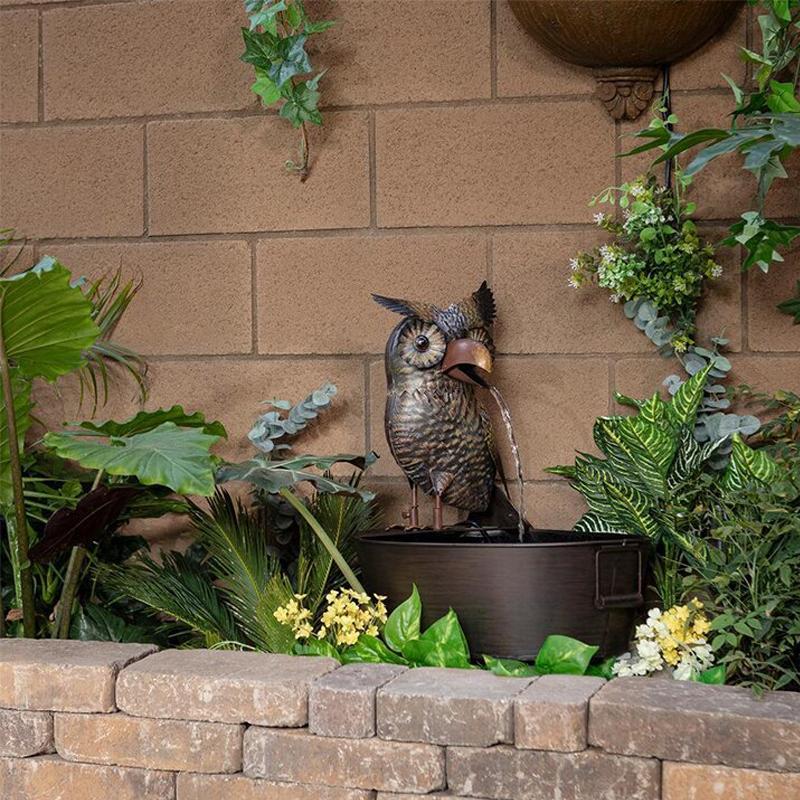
x=624 y=41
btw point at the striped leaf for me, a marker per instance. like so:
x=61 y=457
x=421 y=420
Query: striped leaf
x=690 y=458
x=592 y=522
x=639 y=450
x=747 y=466
x=686 y=402
x=654 y=410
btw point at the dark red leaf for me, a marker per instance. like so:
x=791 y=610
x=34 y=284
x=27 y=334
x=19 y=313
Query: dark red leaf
x=88 y=522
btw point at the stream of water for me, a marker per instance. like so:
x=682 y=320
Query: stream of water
x=505 y=413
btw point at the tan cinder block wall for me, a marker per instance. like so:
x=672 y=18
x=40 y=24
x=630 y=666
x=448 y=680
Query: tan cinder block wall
x=454 y=150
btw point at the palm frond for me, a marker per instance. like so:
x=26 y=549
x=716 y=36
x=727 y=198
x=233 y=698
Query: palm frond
x=110 y=298
x=344 y=517
x=248 y=569
x=178 y=589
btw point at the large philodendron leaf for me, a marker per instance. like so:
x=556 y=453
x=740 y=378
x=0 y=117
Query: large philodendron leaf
x=747 y=466
x=47 y=322
x=272 y=476
x=148 y=420
x=169 y=456
x=21 y=389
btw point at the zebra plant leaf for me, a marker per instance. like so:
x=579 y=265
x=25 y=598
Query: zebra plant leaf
x=748 y=466
x=592 y=522
x=686 y=402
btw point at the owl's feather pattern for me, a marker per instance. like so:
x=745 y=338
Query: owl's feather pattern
x=437 y=430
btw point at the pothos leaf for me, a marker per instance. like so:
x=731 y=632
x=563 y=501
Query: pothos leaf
x=563 y=655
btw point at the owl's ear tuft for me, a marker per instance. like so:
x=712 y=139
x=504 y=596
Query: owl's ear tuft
x=484 y=301
x=406 y=308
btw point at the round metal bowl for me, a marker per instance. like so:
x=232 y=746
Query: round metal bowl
x=509 y=595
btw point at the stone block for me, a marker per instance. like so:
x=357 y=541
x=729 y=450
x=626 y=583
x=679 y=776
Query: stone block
x=457 y=166
x=191 y=786
x=166 y=744
x=449 y=706
x=372 y=62
x=166 y=66
x=300 y=757
x=19 y=66
x=344 y=270
x=50 y=778
x=679 y=721
x=228 y=175
x=706 y=782
x=47 y=675
x=84 y=180
x=220 y=686
x=342 y=703
x=552 y=713
x=504 y=773
x=195 y=297
x=25 y=733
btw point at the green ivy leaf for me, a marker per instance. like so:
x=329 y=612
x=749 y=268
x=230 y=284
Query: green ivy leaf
x=563 y=655
x=403 y=623
x=441 y=645
x=781 y=98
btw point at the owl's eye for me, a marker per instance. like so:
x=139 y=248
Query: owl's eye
x=421 y=343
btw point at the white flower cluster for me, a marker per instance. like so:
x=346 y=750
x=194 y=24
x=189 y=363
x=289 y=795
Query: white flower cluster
x=672 y=639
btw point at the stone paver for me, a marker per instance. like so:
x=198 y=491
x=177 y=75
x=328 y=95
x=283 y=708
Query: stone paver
x=705 y=782
x=342 y=703
x=237 y=787
x=25 y=733
x=679 y=721
x=552 y=713
x=505 y=773
x=50 y=778
x=220 y=686
x=300 y=757
x=150 y=743
x=45 y=675
x=449 y=706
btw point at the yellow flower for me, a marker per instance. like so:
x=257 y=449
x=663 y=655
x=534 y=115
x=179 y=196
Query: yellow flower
x=303 y=632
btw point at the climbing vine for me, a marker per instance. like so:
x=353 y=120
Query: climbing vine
x=275 y=45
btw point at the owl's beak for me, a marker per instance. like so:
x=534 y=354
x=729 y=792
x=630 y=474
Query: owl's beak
x=468 y=360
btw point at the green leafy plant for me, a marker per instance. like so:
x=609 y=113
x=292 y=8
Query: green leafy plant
x=792 y=305
x=744 y=560
x=174 y=454
x=275 y=45
x=657 y=264
x=355 y=629
x=765 y=131
x=226 y=590
x=46 y=325
x=653 y=474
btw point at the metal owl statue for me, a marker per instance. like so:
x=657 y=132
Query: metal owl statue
x=437 y=430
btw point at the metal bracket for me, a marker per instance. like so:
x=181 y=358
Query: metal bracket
x=631 y=600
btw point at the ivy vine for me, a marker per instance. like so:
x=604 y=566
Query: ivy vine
x=275 y=45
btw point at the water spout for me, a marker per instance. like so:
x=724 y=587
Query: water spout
x=505 y=413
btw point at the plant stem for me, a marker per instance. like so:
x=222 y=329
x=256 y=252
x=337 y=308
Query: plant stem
x=301 y=509
x=303 y=153
x=26 y=578
x=71 y=581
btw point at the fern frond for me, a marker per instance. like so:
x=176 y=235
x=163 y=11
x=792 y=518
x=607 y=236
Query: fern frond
x=178 y=589
x=241 y=559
